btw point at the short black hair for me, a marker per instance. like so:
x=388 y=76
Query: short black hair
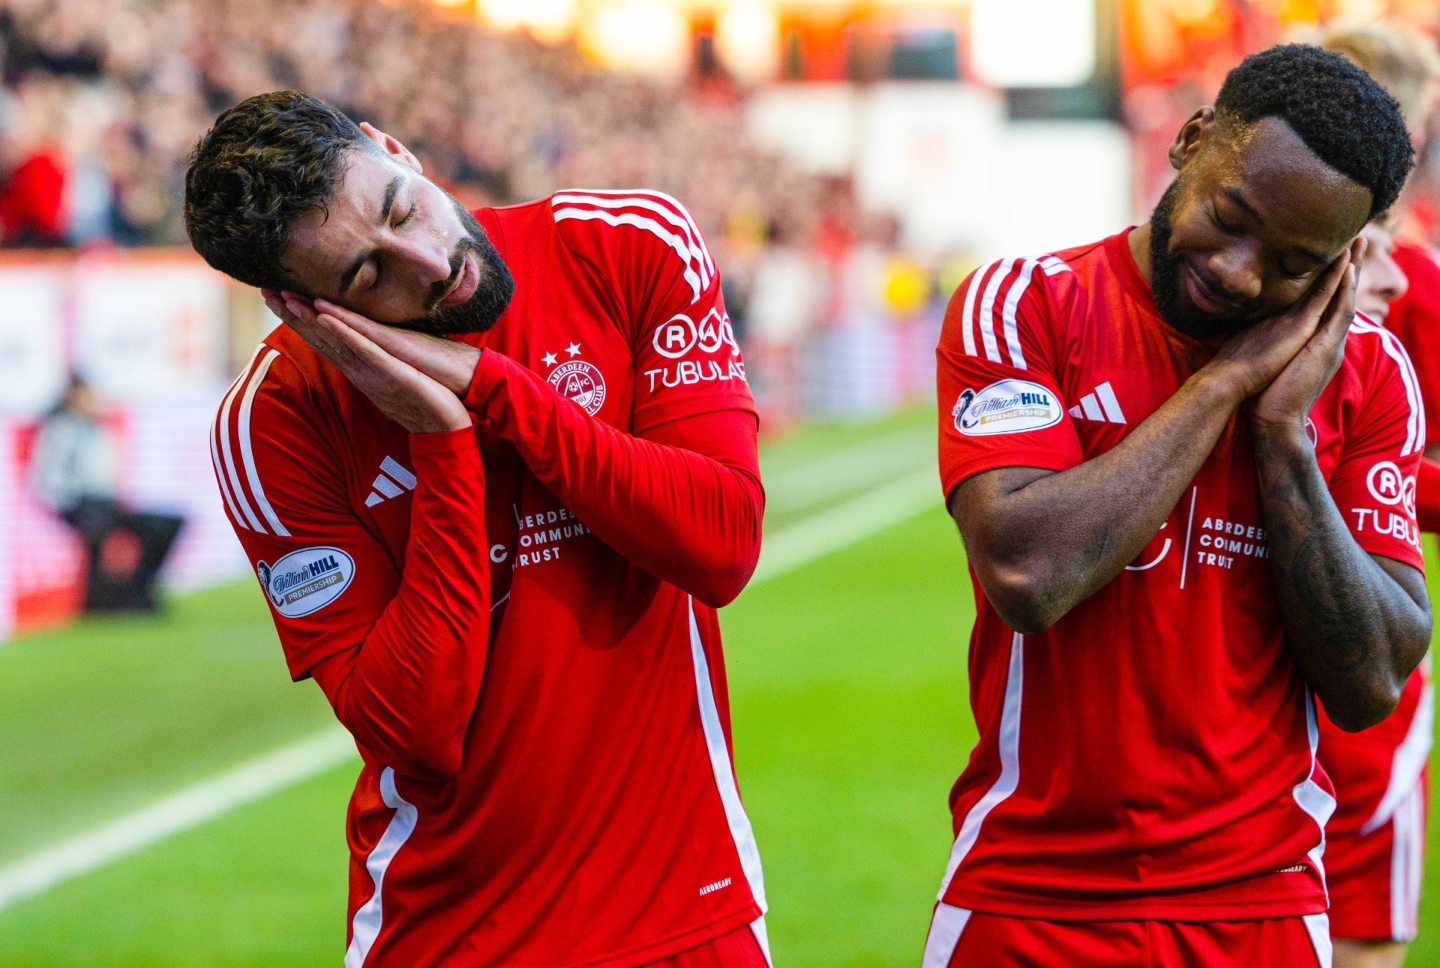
x=1339 y=111
x=266 y=160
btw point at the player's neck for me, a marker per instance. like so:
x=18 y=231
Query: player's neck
x=1139 y=242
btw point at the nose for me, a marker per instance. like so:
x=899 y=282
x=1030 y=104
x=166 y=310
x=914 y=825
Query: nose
x=1238 y=273
x=1393 y=280
x=427 y=257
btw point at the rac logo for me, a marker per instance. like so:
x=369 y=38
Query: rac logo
x=1391 y=487
x=679 y=335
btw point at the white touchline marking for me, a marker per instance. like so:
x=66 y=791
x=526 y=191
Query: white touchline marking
x=188 y=808
x=831 y=530
x=835 y=528
x=817 y=480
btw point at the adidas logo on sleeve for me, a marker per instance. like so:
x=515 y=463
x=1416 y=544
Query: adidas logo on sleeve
x=392 y=481
x=1099 y=405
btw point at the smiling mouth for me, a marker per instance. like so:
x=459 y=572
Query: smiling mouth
x=1205 y=298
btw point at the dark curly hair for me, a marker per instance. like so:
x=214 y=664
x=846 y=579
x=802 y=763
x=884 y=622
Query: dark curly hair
x=1338 y=110
x=265 y=161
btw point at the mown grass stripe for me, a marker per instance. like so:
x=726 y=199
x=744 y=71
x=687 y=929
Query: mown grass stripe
x=188 y=808
x=790 y=548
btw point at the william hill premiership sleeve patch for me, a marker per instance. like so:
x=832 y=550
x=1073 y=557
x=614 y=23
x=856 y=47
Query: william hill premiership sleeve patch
x=1006 y=407
x=307 y=580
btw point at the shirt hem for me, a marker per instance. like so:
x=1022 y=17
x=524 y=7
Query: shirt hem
x=1145 y=909
x=694 y=938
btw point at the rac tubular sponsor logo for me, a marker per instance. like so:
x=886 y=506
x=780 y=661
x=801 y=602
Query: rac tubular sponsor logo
x=1006 y=407
x=679 y=339
x=680 y=334
x=307 y=580
x=1390 y=487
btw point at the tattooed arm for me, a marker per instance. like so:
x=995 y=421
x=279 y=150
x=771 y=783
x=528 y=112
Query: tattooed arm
x=1041 y=541
x=1357 y=624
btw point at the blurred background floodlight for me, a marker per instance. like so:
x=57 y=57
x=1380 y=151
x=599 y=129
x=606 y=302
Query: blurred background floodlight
x=645 y=36
x=1033 y=43
x=549 y=20
x=747 y=41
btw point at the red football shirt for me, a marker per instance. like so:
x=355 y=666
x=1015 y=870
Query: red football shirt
x=1379 y=772
x=517 y=622
x=1415 y=319
x=1152 y=755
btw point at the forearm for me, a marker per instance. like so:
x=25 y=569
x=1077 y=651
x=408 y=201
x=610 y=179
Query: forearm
x=688 y=518
x=408 y=693
x=1354 y=632
x=1055 y=540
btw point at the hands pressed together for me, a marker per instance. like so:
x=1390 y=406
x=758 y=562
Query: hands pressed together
x=414 y=379
x=1277 y=368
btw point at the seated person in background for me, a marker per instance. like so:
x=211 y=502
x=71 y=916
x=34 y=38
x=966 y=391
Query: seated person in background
x=74 y=471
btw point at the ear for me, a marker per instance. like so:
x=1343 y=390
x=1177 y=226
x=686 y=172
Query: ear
x=391 y=146
x=1191 y=137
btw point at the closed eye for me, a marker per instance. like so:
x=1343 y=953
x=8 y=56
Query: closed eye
x=1220 y=223
x=408 y=215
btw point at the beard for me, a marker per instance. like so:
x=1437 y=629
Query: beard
x=1170 y=299
x=492 y=293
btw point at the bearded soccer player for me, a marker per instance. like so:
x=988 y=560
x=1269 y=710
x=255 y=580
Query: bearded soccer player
x=495 y=476
x=1178 y=467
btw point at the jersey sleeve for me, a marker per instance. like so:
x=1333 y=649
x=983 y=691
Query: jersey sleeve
x=397 y=651
x=682 y=501
x=997 y=377
x=646 y=249
x=1374 y=483
x=1415 y=319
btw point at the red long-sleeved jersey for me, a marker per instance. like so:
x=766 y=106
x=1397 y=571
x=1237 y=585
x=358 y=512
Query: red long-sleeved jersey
x=517 y=622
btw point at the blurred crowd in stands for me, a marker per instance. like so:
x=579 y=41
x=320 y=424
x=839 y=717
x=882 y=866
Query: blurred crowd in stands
x=101 y=101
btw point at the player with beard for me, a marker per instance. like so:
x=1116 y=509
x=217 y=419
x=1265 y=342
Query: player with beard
x=498 y=553
x=1180 y=466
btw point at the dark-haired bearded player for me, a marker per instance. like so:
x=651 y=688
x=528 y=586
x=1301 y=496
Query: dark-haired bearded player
x=1179 y=470
x=499 y=556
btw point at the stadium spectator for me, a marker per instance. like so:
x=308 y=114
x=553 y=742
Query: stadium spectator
x=1375 y=841
x=158 y=69
x=1180 y=471
x=530 y=658
x=74 y=469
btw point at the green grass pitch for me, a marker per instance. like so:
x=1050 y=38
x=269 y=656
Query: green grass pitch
x=847 y=681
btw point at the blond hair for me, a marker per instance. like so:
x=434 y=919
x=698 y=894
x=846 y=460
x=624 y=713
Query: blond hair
x=1404 y=61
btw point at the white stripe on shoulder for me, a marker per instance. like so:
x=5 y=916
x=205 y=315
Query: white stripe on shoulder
x=672 y=239
x=1053 y=264
x=1415 y=424
x=986 y=316
x=248 y=453
x=667 y=205
x=220 y=475
x=1012 y=328
x=227 y=451
x=967 y=315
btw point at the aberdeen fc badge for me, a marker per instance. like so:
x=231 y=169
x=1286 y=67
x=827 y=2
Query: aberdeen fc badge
x=580 y=382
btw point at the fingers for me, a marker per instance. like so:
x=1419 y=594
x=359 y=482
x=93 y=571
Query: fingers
x=1329 y=283
x=1359 y=249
